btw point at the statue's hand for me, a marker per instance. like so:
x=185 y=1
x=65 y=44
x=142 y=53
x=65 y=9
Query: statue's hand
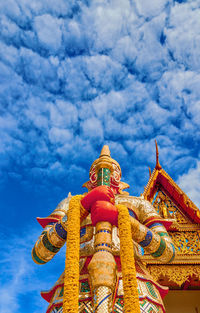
x=103 y=193
x=104 y=211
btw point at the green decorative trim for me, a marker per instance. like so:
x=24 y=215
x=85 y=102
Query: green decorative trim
x=151 y=289
x=48 y=244
x=160 y=250
x=163 y=234
x=174 y=253
x=85 y=287
x=103 y=177
x=36 y=258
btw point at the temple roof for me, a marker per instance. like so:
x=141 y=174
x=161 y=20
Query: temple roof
x=171 y=202
x=159 y=178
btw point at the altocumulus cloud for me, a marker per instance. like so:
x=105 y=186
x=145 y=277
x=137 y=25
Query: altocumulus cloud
x=75 y=75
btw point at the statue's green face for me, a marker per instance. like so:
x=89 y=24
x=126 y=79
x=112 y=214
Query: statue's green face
x=105 y=176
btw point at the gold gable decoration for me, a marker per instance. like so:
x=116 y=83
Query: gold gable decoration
x=178 y=274
x=187 y=242
x=184 y=233
x=172 y=203
x=167 y=209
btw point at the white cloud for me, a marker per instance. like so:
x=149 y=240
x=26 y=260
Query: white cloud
x=63 y=114
x=9 y=54
x=125 y=51
x=112 y=104
x=73 y=37
x=76 y=75
x=48 y=31
x=60 y=136
x=178 y=87
x=149 y=10
x=194 y=110
x=8 y=28
x=92 y=129
x=108 y=21
x=7 y=122
x=183 y=34
x=189 y=182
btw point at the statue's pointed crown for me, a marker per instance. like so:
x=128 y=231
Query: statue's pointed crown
x=105 y=160
x=105 y=151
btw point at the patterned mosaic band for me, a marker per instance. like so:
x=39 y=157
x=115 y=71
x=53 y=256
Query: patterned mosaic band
x=147 y=241
x=173 y=253
x=158 y=244
x=60 y=231
x=103 y=236
x=36 y=257
x=162 y=234
x=102 y=303
x=103 y=231
x=160 y=250
x=49 y=245
x=156 y=224
x=54 y=238
x=42 y=251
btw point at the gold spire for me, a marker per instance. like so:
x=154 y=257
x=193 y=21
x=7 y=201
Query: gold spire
x=105 y=151
x=149 y=172
x=158 y=166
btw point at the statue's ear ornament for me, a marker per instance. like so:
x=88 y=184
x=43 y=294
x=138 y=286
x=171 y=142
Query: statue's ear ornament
x=123 y=186
x=88 y=185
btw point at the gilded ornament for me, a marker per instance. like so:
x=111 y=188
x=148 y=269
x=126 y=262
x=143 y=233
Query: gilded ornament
x=187 y=242
x=178 y=274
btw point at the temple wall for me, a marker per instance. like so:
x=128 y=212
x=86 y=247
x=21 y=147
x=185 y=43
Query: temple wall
x=183 y=301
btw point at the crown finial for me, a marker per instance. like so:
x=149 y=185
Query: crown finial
x=105 y=151
x=158 y=166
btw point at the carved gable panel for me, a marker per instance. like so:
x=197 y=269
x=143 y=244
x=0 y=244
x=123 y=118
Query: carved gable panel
x=167 y=209
x=187 y=242
x=173 y=204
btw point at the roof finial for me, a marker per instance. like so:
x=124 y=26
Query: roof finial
x=158 y=166
x=149 y=172
x=105 y=151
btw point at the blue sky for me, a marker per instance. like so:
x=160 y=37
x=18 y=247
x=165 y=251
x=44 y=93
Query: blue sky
x=75 y=75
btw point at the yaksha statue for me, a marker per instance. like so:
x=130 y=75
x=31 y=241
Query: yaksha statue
x=104 y=237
